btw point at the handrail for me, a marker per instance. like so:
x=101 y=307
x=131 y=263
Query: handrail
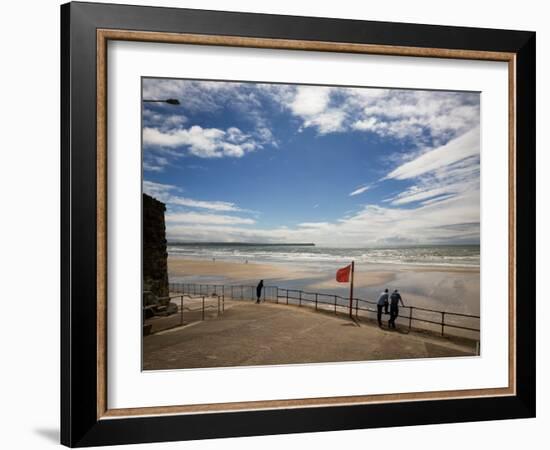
x=220 y=306
x=358 y=304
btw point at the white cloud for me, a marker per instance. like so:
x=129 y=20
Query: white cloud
x=451 y=220
x=203 y=95
x=387 y=112
x=442 y=219
x=213 y=205
x=399 y=113
x=207 y=219
x=456 y=150
x=157 y=190
x=165 y=193
x=163 y=121
x=174 y=120
x=359 y=190
x=330 y=121
x=416 y=193
x=154 y=163
x=441 y=192
x=443 y=207
x=437 y=199
x=441 y=173
x=310 y=100
x=208 y=96
x=315 y=225
x=312 y=105
x=369 y=124
x=203 y=142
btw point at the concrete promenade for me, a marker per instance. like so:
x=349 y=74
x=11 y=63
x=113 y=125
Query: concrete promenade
x=249 y=334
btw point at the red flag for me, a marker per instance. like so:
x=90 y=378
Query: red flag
x=342 y=275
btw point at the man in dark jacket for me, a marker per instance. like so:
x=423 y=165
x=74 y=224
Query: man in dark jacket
x=259 y=290
x=395 y=299
x=382 y=304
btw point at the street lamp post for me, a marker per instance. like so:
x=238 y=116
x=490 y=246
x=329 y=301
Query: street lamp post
x=170 y=101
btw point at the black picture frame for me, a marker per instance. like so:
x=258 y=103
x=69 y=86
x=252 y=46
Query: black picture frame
x=80 y=425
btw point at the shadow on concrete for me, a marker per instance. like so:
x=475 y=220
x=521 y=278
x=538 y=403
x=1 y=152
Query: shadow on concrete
x=50 y=434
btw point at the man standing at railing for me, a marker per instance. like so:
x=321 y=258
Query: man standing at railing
x=395 y=299
x=382 y=304
x=259 y=290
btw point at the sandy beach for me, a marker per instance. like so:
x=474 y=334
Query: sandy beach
x=237 y=271
x=444 y=288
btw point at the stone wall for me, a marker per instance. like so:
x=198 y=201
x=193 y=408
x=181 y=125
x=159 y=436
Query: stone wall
x=155 y=257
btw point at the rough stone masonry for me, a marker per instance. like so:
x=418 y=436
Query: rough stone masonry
x=155 y=256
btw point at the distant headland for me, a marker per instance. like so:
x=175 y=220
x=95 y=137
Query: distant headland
x=245 y=244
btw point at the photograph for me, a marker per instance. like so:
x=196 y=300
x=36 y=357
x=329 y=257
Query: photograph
x=283 y=223
x=302 y=224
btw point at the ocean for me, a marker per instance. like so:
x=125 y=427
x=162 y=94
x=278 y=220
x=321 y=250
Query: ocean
x=329 y=257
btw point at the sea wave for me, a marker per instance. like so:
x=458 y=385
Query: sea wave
x=445 y=256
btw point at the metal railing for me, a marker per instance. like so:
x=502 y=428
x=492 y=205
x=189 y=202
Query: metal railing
x=429 y=319
x=191 y=312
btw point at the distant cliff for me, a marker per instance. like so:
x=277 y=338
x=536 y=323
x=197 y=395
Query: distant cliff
x=244 y=244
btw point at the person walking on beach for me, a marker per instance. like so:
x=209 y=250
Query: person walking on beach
x=395 y=299
x=259 y=290
x=382 y=304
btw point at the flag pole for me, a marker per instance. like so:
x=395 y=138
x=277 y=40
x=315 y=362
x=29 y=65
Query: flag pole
x=351 y=290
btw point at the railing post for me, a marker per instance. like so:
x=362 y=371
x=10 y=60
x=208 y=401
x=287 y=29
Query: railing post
x=442 y=324
x=181 y=310
x=356 y=307
x=218 y=304
x=300 y=299
x=277 y=294
x=194 y=289
x=203 y=307
x=316 y=301
x=411 y=308
x=287 y=296
x=335 y=304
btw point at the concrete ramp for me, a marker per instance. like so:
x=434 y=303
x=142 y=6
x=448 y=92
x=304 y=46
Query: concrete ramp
x=250 y=334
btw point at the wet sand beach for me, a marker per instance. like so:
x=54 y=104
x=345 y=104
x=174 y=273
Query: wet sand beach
x=455 y=289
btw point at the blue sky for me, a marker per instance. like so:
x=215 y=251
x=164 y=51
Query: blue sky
x=337 y=166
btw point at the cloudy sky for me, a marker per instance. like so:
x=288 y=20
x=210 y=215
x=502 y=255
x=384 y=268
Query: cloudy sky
x=337 y=166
